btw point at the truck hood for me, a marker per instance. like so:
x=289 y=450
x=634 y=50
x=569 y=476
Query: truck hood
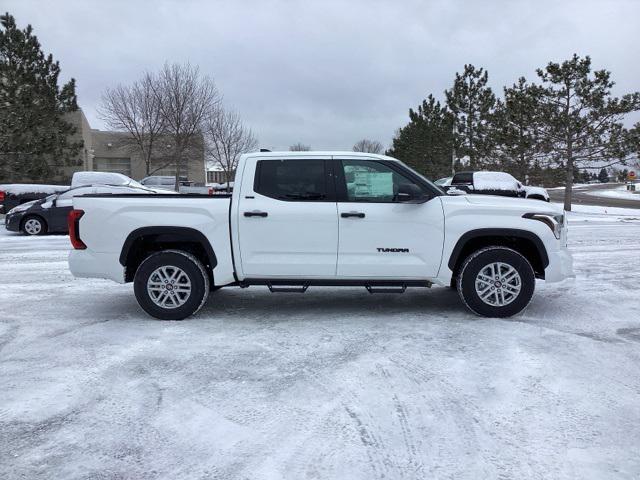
x=501 y=203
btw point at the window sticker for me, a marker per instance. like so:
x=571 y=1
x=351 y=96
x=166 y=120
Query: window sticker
x=373 y=184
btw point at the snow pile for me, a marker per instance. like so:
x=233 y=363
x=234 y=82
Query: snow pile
x=22 y=188
x=618 y=192
x=494 y=181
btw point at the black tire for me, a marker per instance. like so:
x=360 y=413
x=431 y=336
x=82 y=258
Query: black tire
x=33 y=219
x=190 y=266
x=478 y=261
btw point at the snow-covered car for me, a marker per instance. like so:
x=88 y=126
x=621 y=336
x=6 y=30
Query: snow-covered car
x=112 y=179
x=14 y=194
x=495 y=183
x=301 y=219
x=49 y=215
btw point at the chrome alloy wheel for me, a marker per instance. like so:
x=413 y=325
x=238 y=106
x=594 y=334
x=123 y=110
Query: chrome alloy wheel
x=33 y=226
x=169 y=287
x=498 y=284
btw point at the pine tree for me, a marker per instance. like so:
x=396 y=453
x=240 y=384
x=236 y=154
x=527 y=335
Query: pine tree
x=426 y=142
x=35 y=139
x=603 y=176
x=472 y=102
x=583 y=123
x=517 y=129
x=585 y=176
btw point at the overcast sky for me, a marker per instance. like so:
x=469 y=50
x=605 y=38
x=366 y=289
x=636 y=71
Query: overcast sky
x=328 y=73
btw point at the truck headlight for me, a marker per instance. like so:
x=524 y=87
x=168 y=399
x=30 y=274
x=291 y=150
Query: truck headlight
x=554 y=222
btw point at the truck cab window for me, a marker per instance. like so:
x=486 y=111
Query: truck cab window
x=371 y=181
x=291 y=180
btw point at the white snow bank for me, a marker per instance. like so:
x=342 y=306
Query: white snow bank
x=575 y=186
x=22 y=188
x=593 y=213
x=494 y=181
x=618 y=192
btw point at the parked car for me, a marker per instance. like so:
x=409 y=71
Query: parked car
x=49 y=215
x=495 y=183
x=281 y=225
x=12 y=195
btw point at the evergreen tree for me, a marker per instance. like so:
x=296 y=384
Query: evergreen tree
x=517 y=129
x=582 y=121
x=472 y=102
x=603 y=176
x=426 y=142
x=585 y=176
x=35 y=139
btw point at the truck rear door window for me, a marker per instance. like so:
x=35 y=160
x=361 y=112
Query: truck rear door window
x=292 y=180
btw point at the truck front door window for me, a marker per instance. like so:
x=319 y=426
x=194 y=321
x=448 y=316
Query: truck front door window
x=370 y=181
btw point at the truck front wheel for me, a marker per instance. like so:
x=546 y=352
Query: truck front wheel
x=171 y=285
x=496 y=282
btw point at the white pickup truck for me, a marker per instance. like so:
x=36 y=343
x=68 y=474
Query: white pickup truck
x=300 y=219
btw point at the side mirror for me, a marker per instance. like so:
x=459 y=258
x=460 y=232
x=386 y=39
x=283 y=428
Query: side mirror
x=410 y=193
x=54 y=201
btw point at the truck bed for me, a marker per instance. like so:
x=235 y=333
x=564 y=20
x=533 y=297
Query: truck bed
x=109 y=219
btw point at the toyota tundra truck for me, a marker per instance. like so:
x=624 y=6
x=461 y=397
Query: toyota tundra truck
x=304 y=219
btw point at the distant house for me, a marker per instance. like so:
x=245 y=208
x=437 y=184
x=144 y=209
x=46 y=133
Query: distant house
x=108 y=151
x=215 y=173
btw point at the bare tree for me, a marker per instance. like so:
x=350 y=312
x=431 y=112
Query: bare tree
x=299 y=147
x=186 y=99
x=135 y=109
x=227 y=138
x=369 y=146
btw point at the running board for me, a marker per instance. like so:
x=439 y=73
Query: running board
x=294 y=285
x=373 y=289
x=287 y=289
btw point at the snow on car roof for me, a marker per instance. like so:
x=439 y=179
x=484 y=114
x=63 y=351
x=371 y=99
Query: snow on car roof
x=494 y=181
x=103 y=178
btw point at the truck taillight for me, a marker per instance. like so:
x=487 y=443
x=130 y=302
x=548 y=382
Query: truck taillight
x=73 y=221
x=1 y=195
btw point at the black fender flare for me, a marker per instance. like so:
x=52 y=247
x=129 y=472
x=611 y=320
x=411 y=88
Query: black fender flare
x=498 y=232
x=168 y=234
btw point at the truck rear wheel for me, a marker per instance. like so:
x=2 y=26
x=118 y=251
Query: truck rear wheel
x=496 y=282
x=171 y=285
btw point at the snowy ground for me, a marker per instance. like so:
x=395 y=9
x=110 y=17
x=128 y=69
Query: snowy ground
x=333 y=384
x=617 y=192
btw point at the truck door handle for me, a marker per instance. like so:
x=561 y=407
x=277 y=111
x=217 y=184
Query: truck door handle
x=352 y=214
x=255 y=213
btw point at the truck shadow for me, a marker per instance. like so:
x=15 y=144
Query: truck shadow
x=258 y=302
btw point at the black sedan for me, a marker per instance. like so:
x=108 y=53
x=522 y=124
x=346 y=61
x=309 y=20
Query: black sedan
x=49 y=215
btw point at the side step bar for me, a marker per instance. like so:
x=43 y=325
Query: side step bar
x=301 y=286
x=373 y=289
x=287 y=289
